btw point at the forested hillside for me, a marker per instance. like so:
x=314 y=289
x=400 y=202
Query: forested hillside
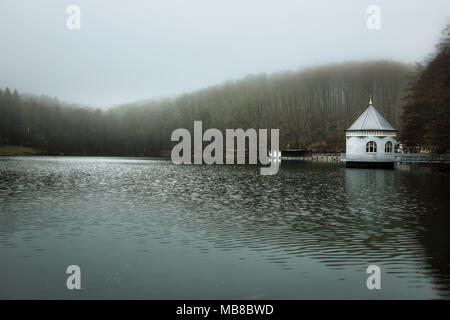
x=425 y=122
x=311 y=107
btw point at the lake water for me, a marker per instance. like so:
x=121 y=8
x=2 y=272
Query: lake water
x=148 y=229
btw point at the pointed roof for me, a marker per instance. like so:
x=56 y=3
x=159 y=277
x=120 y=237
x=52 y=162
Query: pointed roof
x=371 y=119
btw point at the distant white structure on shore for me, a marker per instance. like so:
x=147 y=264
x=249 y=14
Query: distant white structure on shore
x=370 y=140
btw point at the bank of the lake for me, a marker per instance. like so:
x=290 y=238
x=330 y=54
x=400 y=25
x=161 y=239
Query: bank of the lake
x=8 y=150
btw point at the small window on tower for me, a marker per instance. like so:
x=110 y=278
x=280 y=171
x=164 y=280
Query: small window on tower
x=371 y=146
x=388 y=147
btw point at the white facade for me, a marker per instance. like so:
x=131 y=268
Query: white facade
x=370 y=138
x=357 y=148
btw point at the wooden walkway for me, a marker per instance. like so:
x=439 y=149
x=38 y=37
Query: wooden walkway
x=398 y=157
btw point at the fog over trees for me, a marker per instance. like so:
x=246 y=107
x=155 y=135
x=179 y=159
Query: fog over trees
x=312 y=107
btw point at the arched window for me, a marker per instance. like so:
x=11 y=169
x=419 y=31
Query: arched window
x=371 y=146
x=388 y=147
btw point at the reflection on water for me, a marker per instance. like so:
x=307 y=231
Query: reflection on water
x=150 y=229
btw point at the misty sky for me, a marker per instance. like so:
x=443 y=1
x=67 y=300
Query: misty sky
x=133 y=50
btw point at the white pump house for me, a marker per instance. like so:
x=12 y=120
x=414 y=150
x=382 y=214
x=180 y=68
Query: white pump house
x=370 y=141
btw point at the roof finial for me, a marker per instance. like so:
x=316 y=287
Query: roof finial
x=370 y=99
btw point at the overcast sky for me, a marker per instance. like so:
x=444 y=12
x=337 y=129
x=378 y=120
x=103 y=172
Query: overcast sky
x=132 y=50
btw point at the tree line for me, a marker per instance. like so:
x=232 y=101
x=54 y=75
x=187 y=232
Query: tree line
x=312 y=107
x=425 y=121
